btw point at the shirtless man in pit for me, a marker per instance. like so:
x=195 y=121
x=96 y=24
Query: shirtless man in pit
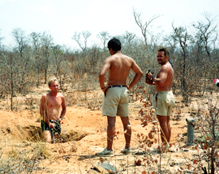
x=50 y=108
x=163 y=100
x=116 y=96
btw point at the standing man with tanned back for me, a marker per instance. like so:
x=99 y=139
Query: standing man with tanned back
x=116 y=96
x=163 y=100
x=49 y=108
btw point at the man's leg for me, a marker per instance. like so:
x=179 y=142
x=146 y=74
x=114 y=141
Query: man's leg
x=110 y=131
x=169 y=128
x=165 y=128
x=127 y=131
x=48 y=136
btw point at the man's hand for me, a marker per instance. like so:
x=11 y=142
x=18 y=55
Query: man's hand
x=60 y=119
x=52 y=125
x=150 y=75
x=148 y=80
x=104 y=89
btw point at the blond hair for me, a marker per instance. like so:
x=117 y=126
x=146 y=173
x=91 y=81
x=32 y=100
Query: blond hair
x=52 y=80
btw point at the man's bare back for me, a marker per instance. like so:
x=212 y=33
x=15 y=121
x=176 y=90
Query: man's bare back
x=115 y=102
x=119 y=66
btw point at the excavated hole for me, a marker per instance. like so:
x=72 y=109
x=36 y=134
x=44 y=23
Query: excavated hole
x=34 y=133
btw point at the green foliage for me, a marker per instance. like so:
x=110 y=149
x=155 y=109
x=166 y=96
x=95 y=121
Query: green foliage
x=208 y=137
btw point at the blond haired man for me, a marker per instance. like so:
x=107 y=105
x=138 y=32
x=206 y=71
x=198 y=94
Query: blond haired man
x=50 y=108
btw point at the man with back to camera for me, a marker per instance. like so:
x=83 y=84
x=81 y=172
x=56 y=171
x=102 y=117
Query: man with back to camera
x=163 y=100
x=49 y=108
x=116 y=96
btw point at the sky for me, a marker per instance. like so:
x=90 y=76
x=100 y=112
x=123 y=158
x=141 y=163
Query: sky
x=62 y=18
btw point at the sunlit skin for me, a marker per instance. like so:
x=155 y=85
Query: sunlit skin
x=50 y=107
x=119 y=66
x=163 y=82
x=164 y=78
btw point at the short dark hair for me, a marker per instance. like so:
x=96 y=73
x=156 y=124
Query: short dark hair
x=166 y=52
x=115 y=44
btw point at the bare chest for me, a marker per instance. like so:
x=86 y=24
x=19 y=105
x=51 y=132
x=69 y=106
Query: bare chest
x=54 y=102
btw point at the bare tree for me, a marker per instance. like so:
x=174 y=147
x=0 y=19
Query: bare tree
x=128 y=44
x=92 y=57
x=47 y=42
x=182 y=37
x=205 y=33
x=104 y=37
x=171 y=44
x=77 y=38
x=57 y=57
x=206 y=37
x=144 y=25
x=129 y=37
x=20 y=38
x=24 y=57
x=9 y=84
x=207 y=122
x=36 y=53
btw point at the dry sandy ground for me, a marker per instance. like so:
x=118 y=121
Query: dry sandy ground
x=83 y=135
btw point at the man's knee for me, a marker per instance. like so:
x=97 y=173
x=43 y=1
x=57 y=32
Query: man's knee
x=49 y=141
x=163 y=119
x=111 y=122
x=48 y=136
x=127 y=127
x=111 y=125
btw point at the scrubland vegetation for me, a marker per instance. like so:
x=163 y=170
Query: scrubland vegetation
x=194 y=52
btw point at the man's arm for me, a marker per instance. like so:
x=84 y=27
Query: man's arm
x=163 y=74
x=43 y=111
x=149 y=83
x=63 y=108
x=105 y=68
x=138 y=74
x=42 y=106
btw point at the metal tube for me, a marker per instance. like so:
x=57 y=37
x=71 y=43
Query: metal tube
x=190 y=131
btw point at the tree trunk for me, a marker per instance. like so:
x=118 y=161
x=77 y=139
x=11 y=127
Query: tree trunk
x=12 y=91
x=45 y=76
x=38 y=77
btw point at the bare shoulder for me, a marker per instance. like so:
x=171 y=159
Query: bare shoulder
x=129 y=59
x=109 y=58
x=60 y=95
x=167 y=67
x=43 y=96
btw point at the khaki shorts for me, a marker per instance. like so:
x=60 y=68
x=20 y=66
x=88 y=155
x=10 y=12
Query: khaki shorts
x=163 y=102
x=115 y=102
